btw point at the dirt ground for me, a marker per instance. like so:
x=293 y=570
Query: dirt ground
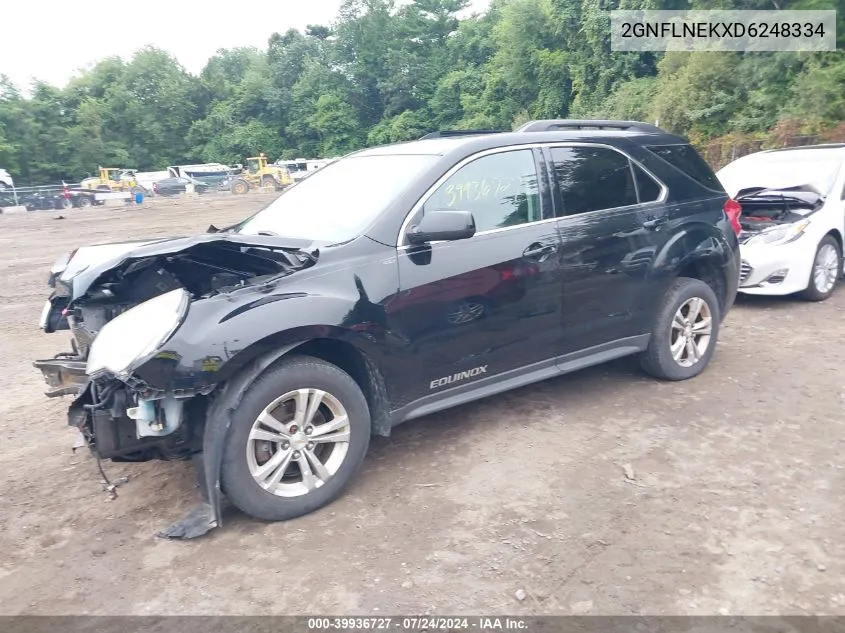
x=735 y=506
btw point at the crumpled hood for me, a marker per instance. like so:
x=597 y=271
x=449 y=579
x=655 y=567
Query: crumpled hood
x=88 y=263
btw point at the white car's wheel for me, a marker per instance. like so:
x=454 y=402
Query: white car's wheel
x=827 y=268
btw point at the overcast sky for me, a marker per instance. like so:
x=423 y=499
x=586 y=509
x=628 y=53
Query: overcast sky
x=51 y=40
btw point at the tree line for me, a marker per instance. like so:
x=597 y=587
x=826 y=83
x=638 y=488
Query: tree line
x=384 y=72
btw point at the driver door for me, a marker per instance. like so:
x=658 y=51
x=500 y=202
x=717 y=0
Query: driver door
x=473 y=308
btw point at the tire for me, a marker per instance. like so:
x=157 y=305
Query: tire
x=658 y=359
x=826 y=270
x=84 y=202
x=242 y=456
x=268 y=181
x=240 y=186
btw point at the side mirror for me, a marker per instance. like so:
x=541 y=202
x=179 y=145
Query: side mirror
x=442 y=225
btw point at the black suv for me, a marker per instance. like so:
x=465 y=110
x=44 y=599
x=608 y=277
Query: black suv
x=396 y=282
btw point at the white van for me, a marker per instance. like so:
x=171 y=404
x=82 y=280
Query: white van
x=301 y=167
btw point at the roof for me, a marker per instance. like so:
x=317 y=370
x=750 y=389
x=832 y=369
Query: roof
x=547 y=131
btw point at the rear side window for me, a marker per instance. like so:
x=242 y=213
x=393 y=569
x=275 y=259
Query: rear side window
x=685 y=158
x=592 y=179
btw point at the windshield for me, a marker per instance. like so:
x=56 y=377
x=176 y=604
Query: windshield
x=779 y=170
x=337 y=202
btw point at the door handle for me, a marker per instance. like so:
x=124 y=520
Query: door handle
x=537 y=250
x=655 y=223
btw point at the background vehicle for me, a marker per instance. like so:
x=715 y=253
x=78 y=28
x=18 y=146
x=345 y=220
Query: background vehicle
x=113 y=179
x=793 y=219
x=214 y=175
x=174 y=186
x=43 y=200
x=299 y=168
x=270 y=351
x=258 y=173
x=6 y=181
x=146 y=179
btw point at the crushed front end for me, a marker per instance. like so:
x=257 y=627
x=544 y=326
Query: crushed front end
x=134 y=399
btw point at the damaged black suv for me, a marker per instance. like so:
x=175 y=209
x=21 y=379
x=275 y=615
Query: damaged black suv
x=396 y=282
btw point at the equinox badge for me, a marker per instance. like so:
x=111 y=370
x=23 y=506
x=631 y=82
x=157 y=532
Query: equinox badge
x=446 y=380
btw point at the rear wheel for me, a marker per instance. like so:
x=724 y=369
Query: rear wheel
x=298 y=437
x=827 y=268
x=685 y=331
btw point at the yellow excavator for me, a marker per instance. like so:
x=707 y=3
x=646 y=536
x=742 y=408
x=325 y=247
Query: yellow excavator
x=257 y=173
x=112 y=179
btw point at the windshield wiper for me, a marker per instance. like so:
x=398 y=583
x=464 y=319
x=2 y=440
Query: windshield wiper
x=270 y=233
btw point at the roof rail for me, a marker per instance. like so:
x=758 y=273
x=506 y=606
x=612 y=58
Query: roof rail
x=549 y=125
x=448 y=133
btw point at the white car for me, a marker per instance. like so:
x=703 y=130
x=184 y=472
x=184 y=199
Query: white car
x=793 y=219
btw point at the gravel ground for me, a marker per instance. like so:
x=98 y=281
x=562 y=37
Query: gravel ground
x=732 y=508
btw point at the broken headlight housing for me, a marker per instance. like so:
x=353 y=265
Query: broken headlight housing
x=780 y=234
x=133 y=337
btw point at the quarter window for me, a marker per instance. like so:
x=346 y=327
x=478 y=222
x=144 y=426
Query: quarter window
x=499 y=190
x=647 y=187
x=592 y=179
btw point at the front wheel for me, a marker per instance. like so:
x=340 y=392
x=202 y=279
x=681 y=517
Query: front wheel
x=298 y=437
x=827 y=267
x=685 y=331
x=240 y=187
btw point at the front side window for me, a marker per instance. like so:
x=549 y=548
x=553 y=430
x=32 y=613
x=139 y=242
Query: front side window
x=500 y=190
x=592 y=179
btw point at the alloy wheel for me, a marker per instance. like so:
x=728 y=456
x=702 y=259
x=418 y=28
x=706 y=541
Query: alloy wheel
x=466 y=312
x=692 y=327
x=298 y=442
x=825 y=268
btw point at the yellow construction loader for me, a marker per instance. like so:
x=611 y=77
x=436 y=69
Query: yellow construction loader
x=257 y=173
x=113 y=179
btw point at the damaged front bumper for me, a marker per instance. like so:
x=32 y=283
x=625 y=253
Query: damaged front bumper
x=65 y=375
x=115 y=421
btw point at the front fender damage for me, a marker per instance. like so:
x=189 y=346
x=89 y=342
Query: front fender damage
x=209 y=514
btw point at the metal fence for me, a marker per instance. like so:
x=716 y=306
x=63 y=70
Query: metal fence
x=720 y=152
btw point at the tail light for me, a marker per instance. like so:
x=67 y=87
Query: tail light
x=155 y=187
x=733 y=210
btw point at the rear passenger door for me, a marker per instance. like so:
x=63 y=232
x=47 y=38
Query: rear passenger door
x=610 y=213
